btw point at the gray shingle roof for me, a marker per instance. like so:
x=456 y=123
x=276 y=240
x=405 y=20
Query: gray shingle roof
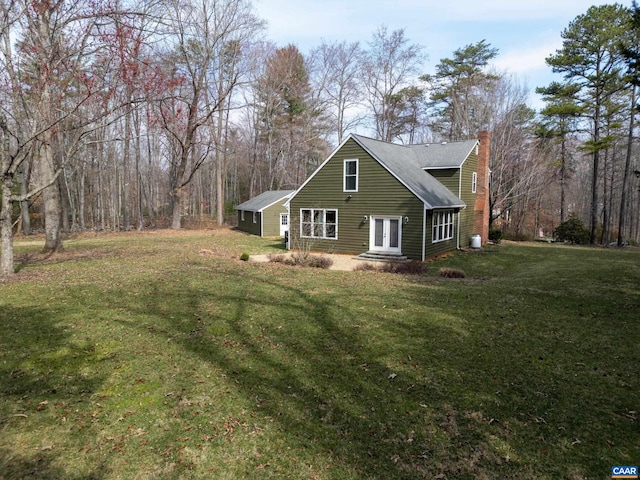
x=408 y=164
x=444 y=155
x=264 y=200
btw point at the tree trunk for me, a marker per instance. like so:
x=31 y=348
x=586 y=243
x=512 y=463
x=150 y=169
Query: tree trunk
x=176 y=208
x=24 y=204
x=627 y=169
x=6 y=227
x=563 y=181
x=51 y=197
x=139 y=184
x=126 y=222
x=593 y=224
x=6 y=232
x=81 y=199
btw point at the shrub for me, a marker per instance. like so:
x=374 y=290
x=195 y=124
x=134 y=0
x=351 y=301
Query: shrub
x=365 y=267
x=452 y=273
x=320 y=261
x=244 y=257
x=302 y=259
x=495 y=235
x=518 y=236
x=414 y=267
x=573 y=230
x=278 y=258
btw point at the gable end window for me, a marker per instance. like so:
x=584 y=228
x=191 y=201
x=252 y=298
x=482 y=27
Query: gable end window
x=474 y=182
x=442 y=226
x=351 y=175
x=319 y=223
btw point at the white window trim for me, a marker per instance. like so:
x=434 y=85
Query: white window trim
x=474 y=182
x=344 y=174
x=442 y=226
x=324 y=224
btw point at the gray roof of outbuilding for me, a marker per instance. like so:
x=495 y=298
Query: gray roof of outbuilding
x=409 y=164
x=264 y=200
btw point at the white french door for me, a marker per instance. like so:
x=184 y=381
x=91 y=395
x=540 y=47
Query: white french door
x=385 y=234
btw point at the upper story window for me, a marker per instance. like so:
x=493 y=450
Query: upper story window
x=474 y=182
x=351 y=175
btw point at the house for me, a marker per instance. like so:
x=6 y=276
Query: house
x=382 y=200
x=265 y=215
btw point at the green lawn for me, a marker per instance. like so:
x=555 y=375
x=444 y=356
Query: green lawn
x=163 y=356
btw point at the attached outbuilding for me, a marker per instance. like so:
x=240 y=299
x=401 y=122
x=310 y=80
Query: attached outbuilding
x=265 y=215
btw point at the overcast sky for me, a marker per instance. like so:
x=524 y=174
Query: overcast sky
x=525 y=32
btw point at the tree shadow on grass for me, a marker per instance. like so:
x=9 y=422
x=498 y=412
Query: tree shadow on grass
x=440 y=399
x=42 y=377
x=300 y=356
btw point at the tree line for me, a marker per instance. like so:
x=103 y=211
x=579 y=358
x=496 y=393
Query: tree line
x=157 y=113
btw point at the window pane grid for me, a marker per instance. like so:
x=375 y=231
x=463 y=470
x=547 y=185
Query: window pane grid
x=351 y=175
x=442 y=226
x=319 y=223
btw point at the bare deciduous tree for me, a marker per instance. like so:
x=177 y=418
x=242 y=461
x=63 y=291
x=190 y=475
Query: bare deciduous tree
x=389 y=65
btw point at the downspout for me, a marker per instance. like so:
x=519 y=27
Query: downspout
x=288 y=205
x=458 y=232
x=424 y=230
x=460 y=197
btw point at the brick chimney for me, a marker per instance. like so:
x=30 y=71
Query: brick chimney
x=481 y=217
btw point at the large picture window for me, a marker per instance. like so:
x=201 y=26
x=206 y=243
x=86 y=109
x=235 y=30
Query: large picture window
x=351 y=175
x=442 y=226
x=318 y=223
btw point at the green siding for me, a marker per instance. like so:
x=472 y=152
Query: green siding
x=469 y=198
x=451 y=179
x=379 y=194
x=439 y=248
x=271 y=219
x=248 y=225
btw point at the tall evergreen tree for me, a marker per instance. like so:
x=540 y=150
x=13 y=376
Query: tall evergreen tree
x=290 y=124
x=590 y=59
x=559 y=120
x=453 y=87
x=631 y=54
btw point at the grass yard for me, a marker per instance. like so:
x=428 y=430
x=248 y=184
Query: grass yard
x=161 y=355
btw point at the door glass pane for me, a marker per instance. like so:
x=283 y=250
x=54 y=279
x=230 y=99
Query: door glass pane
x=393 y=233
x=379 y=233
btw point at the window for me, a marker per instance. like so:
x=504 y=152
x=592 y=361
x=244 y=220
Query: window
x=242 y=215
x=318 y=223
x=351 y=175
x=284 y=219
x=474 y=182
x=255 y=217
x=442 y=226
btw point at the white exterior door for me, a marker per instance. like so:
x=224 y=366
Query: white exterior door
x=385 y=234
x=284 y=223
